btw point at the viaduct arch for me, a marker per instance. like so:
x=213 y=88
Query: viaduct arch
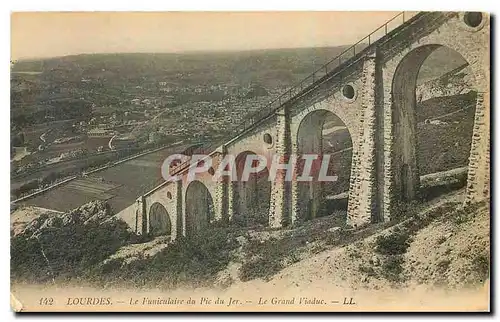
x=159 y=220
x=401 y=68
x=321 y=132
x=406 y=143
x=251 y=197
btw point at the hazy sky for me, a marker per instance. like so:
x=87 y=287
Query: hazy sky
x=49 y=34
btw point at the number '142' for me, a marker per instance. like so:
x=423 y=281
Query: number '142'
x=46 y=301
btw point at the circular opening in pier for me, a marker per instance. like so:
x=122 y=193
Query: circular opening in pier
x=348 y=92
x=473 y=19
x=268 y=138
x=211 y=171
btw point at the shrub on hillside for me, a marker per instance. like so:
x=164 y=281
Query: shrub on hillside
x=392 y=267
x=393 y=244
x=266 y=258
x=66 y=245
x=195 y=260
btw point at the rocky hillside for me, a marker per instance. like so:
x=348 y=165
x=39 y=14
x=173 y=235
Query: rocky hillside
x=64 y=245
x=436 y=248
x=438 y=244
x=435 y=259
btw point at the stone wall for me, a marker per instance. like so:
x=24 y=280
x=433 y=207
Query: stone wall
x=129 y=215
x=280 y=193
x=362 y=192
x=478 y=178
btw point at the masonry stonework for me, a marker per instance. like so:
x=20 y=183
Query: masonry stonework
x=363 y=182
x=478 y=177
x=278 y=209
x=428 y=33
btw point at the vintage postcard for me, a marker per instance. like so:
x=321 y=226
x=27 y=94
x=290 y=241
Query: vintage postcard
x=250 y=161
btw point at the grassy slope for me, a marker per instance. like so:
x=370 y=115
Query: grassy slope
x=393 y=254
x=434 y=243
x=441 y=246
x=447 y=146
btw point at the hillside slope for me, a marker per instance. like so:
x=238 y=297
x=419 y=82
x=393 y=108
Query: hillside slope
x=452 y=252
x=436 y=256
x=443 y=263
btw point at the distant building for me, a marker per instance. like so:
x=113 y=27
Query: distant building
x=98 y=133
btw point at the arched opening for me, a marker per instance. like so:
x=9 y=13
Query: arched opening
x=268 y=138
x=323 y=133
x=433 y=118
x=251 y=198
x=348 y=91
x=473 y=19
x=159 y=220
x=199 y=208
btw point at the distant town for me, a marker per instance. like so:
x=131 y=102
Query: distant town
x=63 y=113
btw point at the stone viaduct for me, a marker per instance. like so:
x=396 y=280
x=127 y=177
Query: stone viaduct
x=373 y=93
